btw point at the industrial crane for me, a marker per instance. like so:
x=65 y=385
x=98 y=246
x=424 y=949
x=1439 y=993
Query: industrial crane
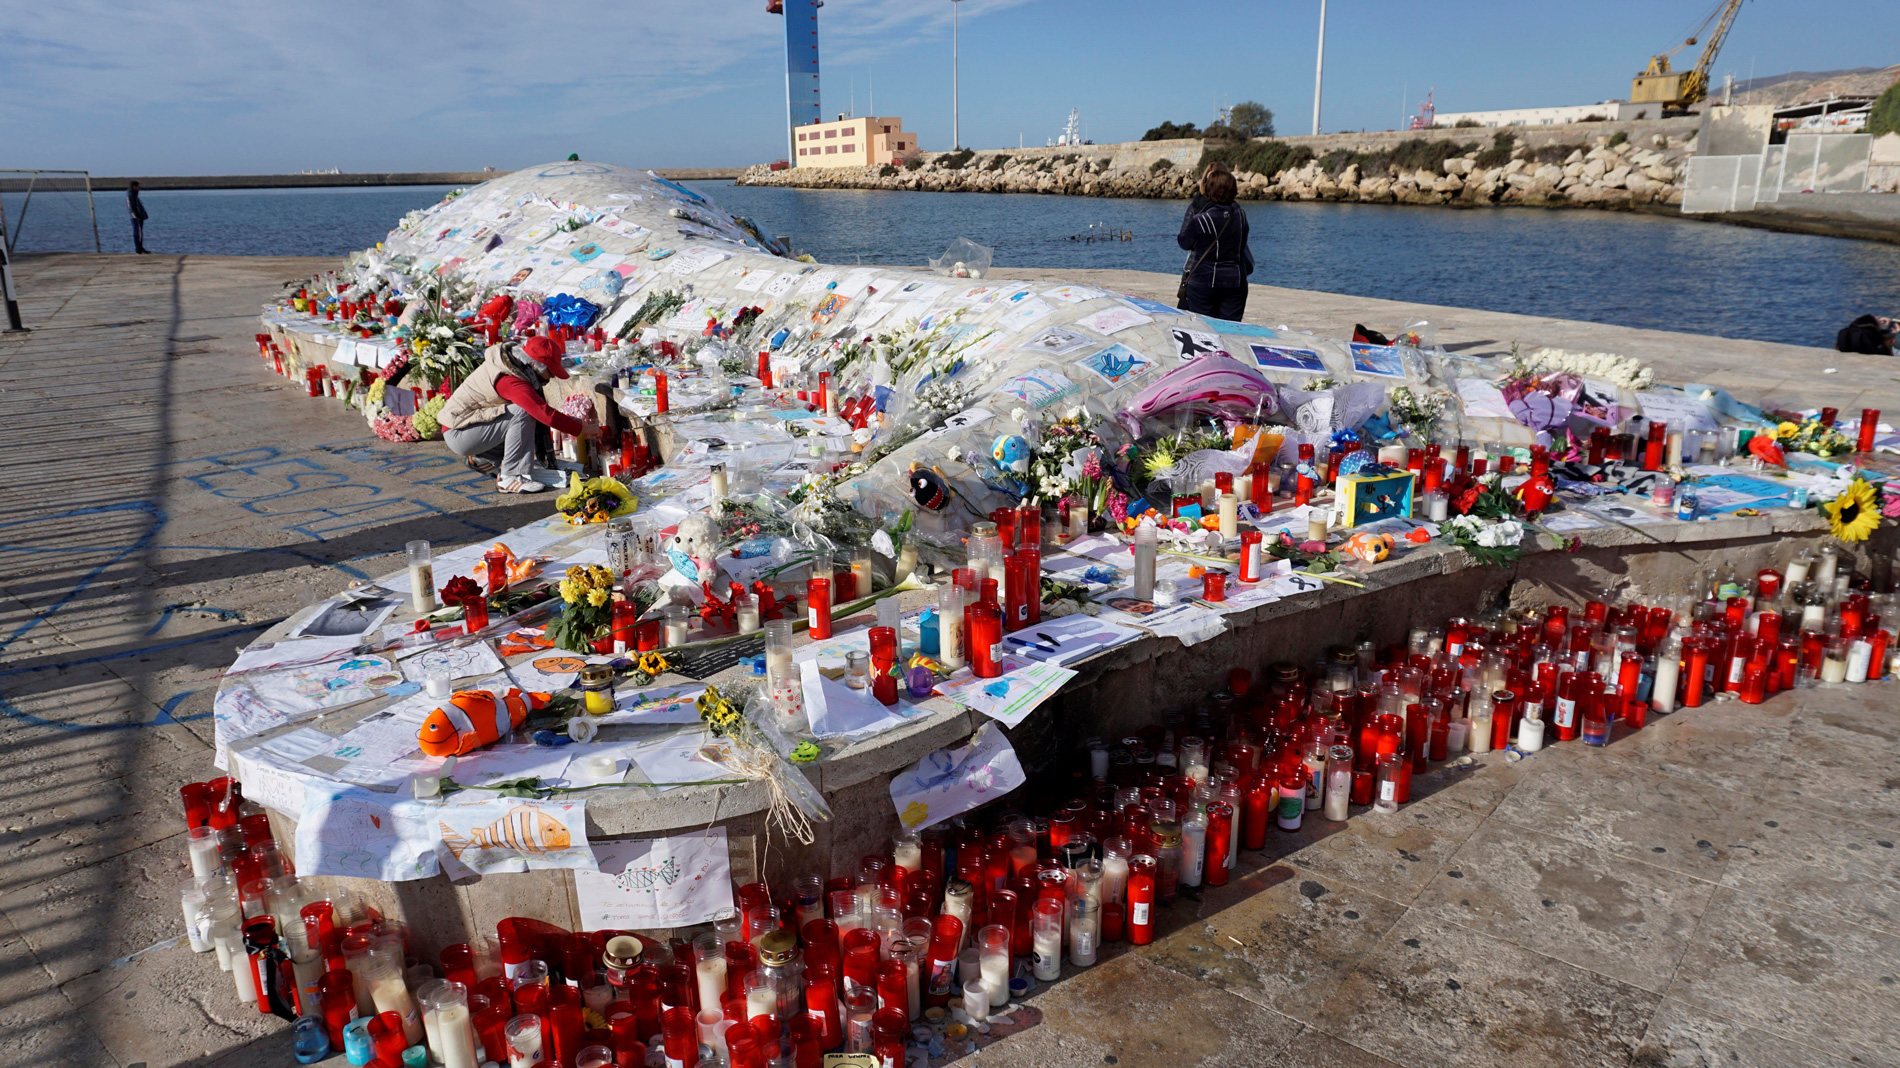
x=1678 y=90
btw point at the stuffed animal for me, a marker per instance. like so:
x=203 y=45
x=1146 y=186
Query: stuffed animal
x=1368 y=547
x=694 y=549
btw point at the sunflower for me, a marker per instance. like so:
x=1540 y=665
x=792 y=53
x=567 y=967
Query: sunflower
x=1787 y=430
x=654 y=664
x=1854 y=514
x=719 y=714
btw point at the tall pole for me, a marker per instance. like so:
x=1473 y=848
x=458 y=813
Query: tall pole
x=1319 y=66
x=956 y=130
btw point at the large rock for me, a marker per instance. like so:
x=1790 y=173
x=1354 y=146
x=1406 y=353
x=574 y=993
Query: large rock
x=1660 y=172
x=1548 y=174
x=1592 y=170
x=1616 y=178
x=1456 y=165
x=1576 y=156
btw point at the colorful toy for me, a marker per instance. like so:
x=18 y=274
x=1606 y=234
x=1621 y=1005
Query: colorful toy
x=474 y=719
x=1368 y=547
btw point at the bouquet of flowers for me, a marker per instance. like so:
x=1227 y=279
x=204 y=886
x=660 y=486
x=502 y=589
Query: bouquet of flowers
x=398 y=428
x=1417 y=411
x=1492 y=542
x=587 y=594
x=594 y=500
x=1625 y=371
x=1811 y=436
x=1066 y=462
x=426 y=420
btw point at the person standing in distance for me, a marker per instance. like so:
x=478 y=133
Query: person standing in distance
x=1219 y=261
x=138 y=217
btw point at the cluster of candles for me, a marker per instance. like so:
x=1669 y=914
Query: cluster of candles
x=945 y=927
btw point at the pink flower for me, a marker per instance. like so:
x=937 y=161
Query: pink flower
x=1890 y=506
x=1118 y=506
x=1092 y=465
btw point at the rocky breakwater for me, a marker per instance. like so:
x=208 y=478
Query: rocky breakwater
x=1609 y=169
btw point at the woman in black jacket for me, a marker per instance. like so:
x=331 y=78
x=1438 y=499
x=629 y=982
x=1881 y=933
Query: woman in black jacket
x=1219 y=262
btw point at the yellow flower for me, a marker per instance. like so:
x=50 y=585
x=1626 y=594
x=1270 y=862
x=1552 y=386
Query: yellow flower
x=597 y=598
x=569 y=592
x=1853 y=515
x=654 y=664
x=1787 y=430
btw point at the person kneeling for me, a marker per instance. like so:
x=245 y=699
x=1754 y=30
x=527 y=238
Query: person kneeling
x=490 y=417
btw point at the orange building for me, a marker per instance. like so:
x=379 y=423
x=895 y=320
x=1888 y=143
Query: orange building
x=861 y=142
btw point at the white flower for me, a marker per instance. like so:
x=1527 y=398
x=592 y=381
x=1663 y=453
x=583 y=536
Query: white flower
x=955 y=455
x=1504 y=534
x=1017 y=415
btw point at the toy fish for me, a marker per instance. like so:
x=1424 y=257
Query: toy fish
x=928 y=488
x=475 y=718
x=522 y=829
x=1212 y=385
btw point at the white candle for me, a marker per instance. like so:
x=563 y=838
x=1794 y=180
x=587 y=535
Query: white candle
x=1229 y=516
x=203 y=844
x=1530 y=734
x=1243 y=485
x=1392 y=455
x=1662 y=694
x=241 y=974
x=1316 y=526
x=748 y=617
x=1830 y=563
x=1084 y=931
x=712 y=979
x=721 y=485
x=389 y=994
x=909 y=854
x=1673 y=450
x=761 y=1001
x=1338 y=792
x=1834 y=667
x=995 y=979
x=950 y=628
x=1813 y=616
x=976 y=1000
x=1047 y=960
x=1114 y=878
x=1193 y=851
x=422 y=588
x=1437 y=507
x=1797 y=571
x=675 y=632
x=1860 y=656
x=1455 y=737
x=457 y=1049
x=1481 y=733
x=1207 y=495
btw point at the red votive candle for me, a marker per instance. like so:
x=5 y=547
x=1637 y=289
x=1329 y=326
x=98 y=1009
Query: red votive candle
x=1869 y=424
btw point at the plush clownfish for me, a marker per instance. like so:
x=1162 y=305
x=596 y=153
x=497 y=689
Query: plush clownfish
x=475 y=718
x=1368 y=547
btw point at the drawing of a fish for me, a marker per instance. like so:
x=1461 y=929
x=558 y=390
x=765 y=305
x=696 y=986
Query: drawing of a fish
x=522 y=829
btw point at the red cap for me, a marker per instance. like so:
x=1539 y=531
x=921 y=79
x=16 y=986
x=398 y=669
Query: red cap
x=546 y=352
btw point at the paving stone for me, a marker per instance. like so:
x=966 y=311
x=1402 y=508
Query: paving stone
x=1134 y=1014
x=1681 y=1036
x=1243 y=949
x=1777 y=966
x=1821 y=863
x=1313 y=1049
x=1434 y=993
x=1632 y=812
x=1398 y=852
x=83 y=920
x=38 y=1025
x=1584 y=906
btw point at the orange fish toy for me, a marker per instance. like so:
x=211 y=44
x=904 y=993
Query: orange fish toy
x=475 y=718
x=522 y=829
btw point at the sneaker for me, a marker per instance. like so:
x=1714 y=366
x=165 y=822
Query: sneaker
x=518 y=485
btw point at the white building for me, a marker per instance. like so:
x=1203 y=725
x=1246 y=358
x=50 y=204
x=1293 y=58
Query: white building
x=1613 y=110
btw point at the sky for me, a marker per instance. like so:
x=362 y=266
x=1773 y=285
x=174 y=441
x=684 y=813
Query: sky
x=183 y=87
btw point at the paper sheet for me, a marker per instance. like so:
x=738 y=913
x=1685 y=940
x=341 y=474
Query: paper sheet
x=344 y=830
x=1009 y=699
x=650 y=883
x=949 y=782
x=511 y=834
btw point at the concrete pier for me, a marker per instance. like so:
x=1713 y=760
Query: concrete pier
x=1722 y=888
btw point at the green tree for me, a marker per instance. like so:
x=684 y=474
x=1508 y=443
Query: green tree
x=1249 y=119
x=1885 y=118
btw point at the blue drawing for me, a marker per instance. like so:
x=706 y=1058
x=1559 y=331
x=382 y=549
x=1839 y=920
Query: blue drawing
x=1287 y=358
x=1153 y=307
x=1223 y=326
x=1382 y=360
x=1116 y=364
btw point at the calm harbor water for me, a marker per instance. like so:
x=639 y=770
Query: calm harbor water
x=1635 y=270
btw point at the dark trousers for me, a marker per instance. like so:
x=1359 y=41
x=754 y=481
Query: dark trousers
x=138 y=234
x=1224 y=302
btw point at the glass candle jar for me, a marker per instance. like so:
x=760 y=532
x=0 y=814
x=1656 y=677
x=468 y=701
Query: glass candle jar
x=597 y=689
x=421 y=577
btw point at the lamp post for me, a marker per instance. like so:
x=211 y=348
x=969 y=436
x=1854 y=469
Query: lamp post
x=1319 y=66
x=956 y=130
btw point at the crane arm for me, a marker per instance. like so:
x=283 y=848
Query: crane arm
x=1714 y=40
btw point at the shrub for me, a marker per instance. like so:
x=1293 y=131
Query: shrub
x=1160 y=165
x=1619 y=137
x=886 y=171
x=1885 y=117
x=1503 y=144
x=996 y=162
x=913 y=163
x=1218 y=132
x=1170 y=131
x=956 y=161
x=1266 y=158
x=1466 y=124
x=1417 y=152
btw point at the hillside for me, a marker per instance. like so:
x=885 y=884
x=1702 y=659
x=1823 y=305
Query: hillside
x=1802 y=87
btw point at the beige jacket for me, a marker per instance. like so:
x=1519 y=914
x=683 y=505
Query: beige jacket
x=475 y=400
